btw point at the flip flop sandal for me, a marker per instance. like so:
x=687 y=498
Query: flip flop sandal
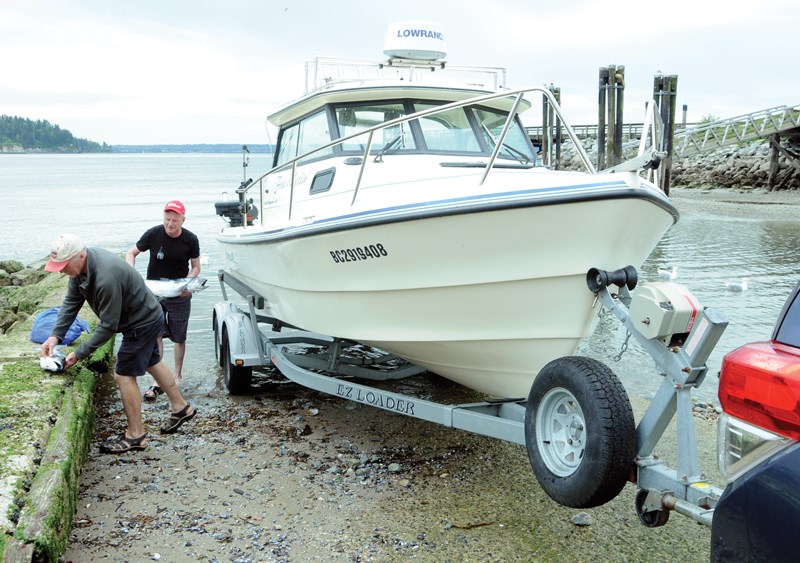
x=124 y=444
x=176 y=419
x=152 y=392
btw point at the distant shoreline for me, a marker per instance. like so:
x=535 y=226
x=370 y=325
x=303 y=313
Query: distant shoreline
x=196 y=148
x=205 y=148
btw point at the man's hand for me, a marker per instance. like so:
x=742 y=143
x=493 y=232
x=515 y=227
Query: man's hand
x=71 y=360
x=48 y=346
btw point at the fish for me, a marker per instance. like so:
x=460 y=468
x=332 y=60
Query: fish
x=55 y=362
x=173 y=288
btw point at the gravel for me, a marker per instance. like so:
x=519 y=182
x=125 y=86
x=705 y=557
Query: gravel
x=289 y=474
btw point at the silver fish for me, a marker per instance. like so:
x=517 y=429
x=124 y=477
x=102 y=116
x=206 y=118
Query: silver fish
x=173 y=288
x=54 y=362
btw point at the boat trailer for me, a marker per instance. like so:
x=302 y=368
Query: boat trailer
x=564 y=419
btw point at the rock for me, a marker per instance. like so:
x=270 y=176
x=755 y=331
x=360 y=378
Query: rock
x=728 y=167
x=582 y=519
x=8 y=318
x=28 y=276
x=11 y=266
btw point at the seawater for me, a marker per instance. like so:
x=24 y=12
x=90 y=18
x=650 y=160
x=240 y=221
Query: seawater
x=111 y=199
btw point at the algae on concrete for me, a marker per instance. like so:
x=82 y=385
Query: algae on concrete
x=46 y=424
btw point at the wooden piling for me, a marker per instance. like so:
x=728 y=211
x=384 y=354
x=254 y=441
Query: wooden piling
x=551 y=131
x=619 y=95
x=601 y=118
x=665 y=94
x=774 y=144
x=609 y=116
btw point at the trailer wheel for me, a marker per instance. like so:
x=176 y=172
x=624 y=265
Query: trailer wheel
x=579 y=432
x=237 y=378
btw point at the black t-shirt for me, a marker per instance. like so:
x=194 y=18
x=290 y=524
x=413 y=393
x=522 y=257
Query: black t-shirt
x=169 y=257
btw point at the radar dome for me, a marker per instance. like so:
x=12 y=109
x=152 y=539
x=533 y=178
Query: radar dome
x=421 y=40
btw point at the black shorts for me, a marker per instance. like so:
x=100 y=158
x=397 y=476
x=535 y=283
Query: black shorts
x=139 y=349
x=176 y=317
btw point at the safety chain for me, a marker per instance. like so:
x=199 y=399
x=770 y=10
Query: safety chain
x=624 y=348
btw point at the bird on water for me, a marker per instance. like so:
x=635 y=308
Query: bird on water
x=737 y=286
x=668 y=274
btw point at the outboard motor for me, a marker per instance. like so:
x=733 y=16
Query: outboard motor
x=234 y=211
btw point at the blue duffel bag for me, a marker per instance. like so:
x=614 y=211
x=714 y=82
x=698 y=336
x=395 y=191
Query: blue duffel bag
x=45 y=321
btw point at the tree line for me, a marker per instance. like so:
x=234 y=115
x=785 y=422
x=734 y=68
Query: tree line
x=17 y=133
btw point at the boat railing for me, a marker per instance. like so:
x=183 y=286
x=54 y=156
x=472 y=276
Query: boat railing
x=323 y=71
x=516 y=95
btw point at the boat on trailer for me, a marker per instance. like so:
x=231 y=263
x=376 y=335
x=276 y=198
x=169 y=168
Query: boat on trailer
x=410 y=214
x=407 y=210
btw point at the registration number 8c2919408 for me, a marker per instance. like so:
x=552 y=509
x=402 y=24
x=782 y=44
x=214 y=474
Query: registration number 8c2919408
x=359 y=253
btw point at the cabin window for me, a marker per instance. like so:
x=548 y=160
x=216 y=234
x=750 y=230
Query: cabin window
x=287 y=144
x=305 y=136
x=323 y=180
x=352 y=119
x=515 y=144
x=448 y=130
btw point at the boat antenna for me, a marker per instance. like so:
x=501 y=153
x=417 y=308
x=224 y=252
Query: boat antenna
x=245 y=162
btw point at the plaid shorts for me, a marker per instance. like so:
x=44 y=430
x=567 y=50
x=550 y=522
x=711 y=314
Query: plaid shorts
x=176 y=317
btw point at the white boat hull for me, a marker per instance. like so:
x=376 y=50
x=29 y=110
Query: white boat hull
x=484 y=298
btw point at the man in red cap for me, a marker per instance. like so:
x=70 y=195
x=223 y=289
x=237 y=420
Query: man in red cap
x=174 y=254
x=119 y=297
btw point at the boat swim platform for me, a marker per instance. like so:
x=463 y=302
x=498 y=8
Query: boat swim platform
x=705 y=137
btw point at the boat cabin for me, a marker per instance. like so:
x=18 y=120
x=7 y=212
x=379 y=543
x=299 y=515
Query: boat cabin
x=348 y=108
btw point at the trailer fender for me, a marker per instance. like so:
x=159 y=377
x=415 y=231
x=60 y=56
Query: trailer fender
x=242 y=343
x=221 y=310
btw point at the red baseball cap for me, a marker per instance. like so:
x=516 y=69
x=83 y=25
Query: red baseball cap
x=175 y=206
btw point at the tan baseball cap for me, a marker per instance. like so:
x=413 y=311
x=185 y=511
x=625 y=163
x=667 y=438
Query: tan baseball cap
x=64 y=248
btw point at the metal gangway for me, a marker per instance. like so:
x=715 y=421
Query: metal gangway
x=704 y=137
x=717 y=134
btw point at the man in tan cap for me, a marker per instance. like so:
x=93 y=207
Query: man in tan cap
x=119 y=297
x=174 y=254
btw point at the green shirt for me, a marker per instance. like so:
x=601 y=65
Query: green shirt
x=117 y=294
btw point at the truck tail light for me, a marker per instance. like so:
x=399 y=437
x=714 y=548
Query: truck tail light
x=759 y=391
x=760 y=384
x=741 y=446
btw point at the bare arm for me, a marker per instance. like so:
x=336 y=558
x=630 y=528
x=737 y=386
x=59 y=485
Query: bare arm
x=130 y=257
x=195 y=270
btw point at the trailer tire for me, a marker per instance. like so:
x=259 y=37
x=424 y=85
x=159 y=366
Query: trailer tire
x=238 y=379
x=218 y=356
x=579 y=432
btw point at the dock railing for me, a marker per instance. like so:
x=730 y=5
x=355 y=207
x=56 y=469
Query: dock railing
x=694 y=138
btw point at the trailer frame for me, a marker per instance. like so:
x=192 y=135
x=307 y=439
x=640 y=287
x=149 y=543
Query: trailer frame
x=242 y=342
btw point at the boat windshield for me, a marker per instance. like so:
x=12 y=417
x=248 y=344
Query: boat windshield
x=352 y=119
x=468 y=131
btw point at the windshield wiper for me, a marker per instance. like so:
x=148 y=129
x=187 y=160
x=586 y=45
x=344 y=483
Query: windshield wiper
x=387 y=146
x=521 y=157
x=519 y=153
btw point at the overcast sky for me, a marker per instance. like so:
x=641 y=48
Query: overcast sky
x=202 y=71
